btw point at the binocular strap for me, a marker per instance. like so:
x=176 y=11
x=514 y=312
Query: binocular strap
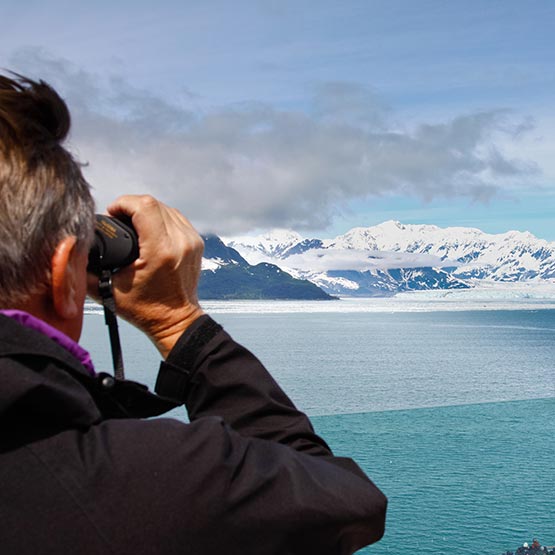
x=110 y=318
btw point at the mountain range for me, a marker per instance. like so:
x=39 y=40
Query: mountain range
x=227 y=275
x=377 y=261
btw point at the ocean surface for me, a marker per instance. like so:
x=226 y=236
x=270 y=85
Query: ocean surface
x=447 y=403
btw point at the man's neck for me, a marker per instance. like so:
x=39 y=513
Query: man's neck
x=40 y=307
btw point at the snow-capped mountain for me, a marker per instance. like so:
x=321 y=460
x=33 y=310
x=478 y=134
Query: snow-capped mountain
x=227 y=275
x=393 y=257
x=269 y=246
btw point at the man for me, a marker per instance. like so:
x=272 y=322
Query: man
x=82 y=469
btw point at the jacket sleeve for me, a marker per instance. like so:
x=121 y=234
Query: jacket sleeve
x=225 y=379
x=272 y=447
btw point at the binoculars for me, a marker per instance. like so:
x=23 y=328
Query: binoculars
x=115 y=245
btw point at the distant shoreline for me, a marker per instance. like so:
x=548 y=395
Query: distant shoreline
x=420 y=301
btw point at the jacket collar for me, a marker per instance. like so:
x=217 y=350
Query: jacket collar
x=17 y=339
x=34 y=323
x=44 y=387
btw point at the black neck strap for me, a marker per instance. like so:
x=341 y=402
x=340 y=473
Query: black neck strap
x=107 y=295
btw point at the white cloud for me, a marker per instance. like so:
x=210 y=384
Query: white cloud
x=323 y=260
x=233 y=169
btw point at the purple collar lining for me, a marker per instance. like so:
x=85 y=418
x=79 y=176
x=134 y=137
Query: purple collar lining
x=34 y=323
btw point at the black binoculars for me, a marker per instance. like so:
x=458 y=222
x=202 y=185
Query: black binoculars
x=115 y=245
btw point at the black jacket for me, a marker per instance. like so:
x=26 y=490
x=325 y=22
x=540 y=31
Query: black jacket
x=83 y=471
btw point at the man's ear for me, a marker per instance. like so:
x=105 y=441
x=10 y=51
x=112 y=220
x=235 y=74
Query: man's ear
x=64 y=279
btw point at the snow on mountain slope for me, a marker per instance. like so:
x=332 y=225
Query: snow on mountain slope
x=266 y=247
x=450 y=256
x=227 y=275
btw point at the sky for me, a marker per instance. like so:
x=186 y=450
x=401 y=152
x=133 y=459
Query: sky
x=316 y=116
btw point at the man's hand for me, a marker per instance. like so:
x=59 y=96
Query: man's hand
x=158 y=292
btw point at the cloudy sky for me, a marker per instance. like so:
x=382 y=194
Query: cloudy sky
x=317 y=116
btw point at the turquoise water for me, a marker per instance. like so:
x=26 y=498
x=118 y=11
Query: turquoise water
x=452 y=414
x=461 y=479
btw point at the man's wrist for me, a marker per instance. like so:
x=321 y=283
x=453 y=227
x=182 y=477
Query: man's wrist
x=167 y=335
x=179 y=367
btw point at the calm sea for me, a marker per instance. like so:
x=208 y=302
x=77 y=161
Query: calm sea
x=451 y=412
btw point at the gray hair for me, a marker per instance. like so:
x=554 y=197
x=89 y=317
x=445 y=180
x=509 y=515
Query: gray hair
x=43 y=194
